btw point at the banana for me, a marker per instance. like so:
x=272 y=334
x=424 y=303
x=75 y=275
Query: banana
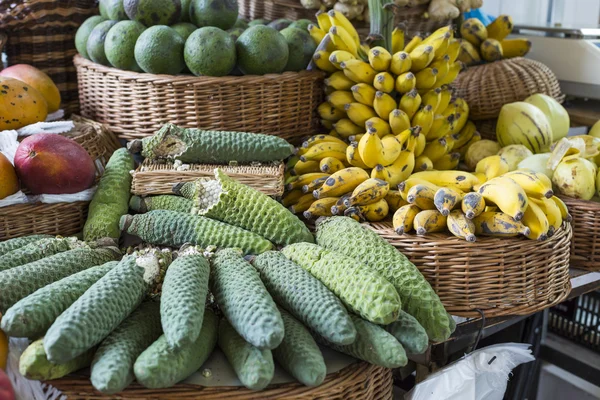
x=384 y=82
x=447 y=199
x=515 y=47
x=410 y=103
x=463 y=149
x=343 y=41
x=323 y=20
x=364 y=93
x=413 y=43
x=399 y=121
x=302 y=204
x=391 y=150
x=424 y=119
x=304 y=167
x=406 y=185
x=380 y=172
x=341 y=182
x=333 y=133
x=358 y=71
x=421 y=196
x=401 y=63
x=468 y=54
x=447 y=162
x=291 y=197
x=374 y=212
x=329 y=113
x=507 y=195
x=492 y=166
x=429 y=221
x=453 y=72
x=421 y=57
x=379 y=125
x=500 y=28
x=445 y=98
x=498 y=224
x=482 y=178
x=552 y=212
x=353 y=213
x=321 y=59
x=359 y=113
x=347 y=128
x=490 y=209
x=441 y=126
x=338 y=19
x=316 y=33
x=460 y=180
x=408 y=136
x=442 y=65
x=465 y=134
x=436 y=149
x=423 y=163
x=537 y=222
x=404 y=217
x=426 y=78
x=327 y=124
x=474 y=31
x=535 y=184
x=395 y=200
x=339 y=56
x=339 y=81
x=438 y=33
x=453 y=50
x=356 y=138
x=320 y=208
x=316 y=139
x=460 y=226
x=401 y=169
x=291 y=162
x=491 y=50
x=314 y=185
x=384 y=104
x=340 y=98
x=368 y=192
x=440 y=44
x=380 y=59
x=329 y=165
x=304 y=179
x=421 y=143
x=564 y=211
x=322 y=150
x=405 y=82
x=370 y=149
x=472 y=204
x=338 y=208
x=397 y=40
x=353 y=157
x=432 y=98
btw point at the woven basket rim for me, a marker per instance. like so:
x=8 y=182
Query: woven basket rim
x=588 y=205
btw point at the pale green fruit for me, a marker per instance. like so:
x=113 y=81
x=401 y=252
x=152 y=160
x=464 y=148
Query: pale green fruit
x=480 y=150
x=514 y=154
x=576 y=178
x=555 y=112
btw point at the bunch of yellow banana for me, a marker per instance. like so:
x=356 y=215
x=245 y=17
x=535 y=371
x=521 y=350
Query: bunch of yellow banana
x=489 y=202
x=488 y=43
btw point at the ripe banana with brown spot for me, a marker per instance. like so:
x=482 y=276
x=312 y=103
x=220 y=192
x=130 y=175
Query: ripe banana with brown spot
x=405 y=186
x=515 y=47
x=401 y=169
x=507 y=194
x=498 y=224
x=329 y=165
x=447 y=199
x=368 y=192
x=492 y=166
x=339 y=56
x=304 y=167
x=537 y=222
x=423 y=163
x=353 y=157
x=422 y=196
x=535 y=184
x=338 y=208
x=384 y=82
x=429 y=221
x=404 y=218
x=354 y=213
x=472 y=204
x=302 y=204
x=341 y=182
x=320 y=208
x=314 y=185
x=469 y=54
x=564 y=211
x=329 y=113
x=436 y=149
x=304 y=179
x=395 y=200
x=460 y=226
x=379 y=125
x=424 y=119
x=552 y=213
x=460 y=180
x=491 y=50
x=316 y=139
x=500 y=28
x=474 y=31
x=291 y=197
x=374 y=212
x=322 y=150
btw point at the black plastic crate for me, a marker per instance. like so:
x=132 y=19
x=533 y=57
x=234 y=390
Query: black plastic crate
x=578 y=320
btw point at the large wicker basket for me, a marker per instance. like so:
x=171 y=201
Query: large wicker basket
x=274 y=9
x=487 y=87
x=134 y=105
x=585 y=247
x=152 y=178
x=42 y=33
x=359 y=381
x=487 y=128
x=500 y=276
x=59 y=218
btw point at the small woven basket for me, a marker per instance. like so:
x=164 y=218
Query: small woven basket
x=274 y=9
x=42 y=33
x=487 y=87
x=134 y=105
x=487 y=128
x=152 y=178
x=500 y=276
x=359 y=381
x=415 y=22
x=59 y=218
x=585 y=247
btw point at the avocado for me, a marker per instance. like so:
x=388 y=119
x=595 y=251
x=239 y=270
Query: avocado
x=185 y=10
x=95 y=42
x=120 y=44
x=159 y=50
x=153 y=12
x=236 y=32
x=301 y=24
x=261 y=50
x=81 y=37
x=301 y=47
x=240 y=23
x=185 y=29
x=210 y=51
x=102 y=8
x=115 y=10
x=280 y=23
x=218 y=13
x=259 y=22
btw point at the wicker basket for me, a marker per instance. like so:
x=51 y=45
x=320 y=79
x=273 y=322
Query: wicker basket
x=359 y=381
x=134 y=105
x=274 y=9
x=413 y=20
x=487 y=87
x=3 y=39
x=152 y=178
x=585 y=247
x=508 y=276
x=42 y=33
x=60 y=218
x=487 y=128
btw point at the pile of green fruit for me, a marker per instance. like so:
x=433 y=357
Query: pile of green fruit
x=204 y=37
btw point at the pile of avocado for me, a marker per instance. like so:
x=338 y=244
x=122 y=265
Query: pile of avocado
x=204 y=37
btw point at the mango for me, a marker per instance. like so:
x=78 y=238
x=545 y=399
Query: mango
x=9 y=184
x=20 y=104
x=38 y=80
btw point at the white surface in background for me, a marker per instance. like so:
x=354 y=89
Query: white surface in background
x=572 y=13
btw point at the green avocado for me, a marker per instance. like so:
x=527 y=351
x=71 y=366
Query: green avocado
x=159 y=50
x=301 y=24
x=185 y=10
x=119 y=45
x=210 y=51
x=185 y=29
x=236 y=32
x=218 y=13
x=95 y=42
x=102 y=8
x=262 y=50
x=280 y=23
x=153 y=12
x=240 y=23
x=115 y=10
x=258 y=22
x=301 y=47
x=81 y=37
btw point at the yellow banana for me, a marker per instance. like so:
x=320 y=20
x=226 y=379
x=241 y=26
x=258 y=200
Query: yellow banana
x=405 y=82
x=356 y=138
x=438 y=33
x=302 y=204
x=379 y=125
x=399 y=121
x=460 y=180
x=404 y=217
x=421 y=143
x=445 y=98
x=442 y=65
x=358 y=71
x=323 y=20
x=340 y=98
x=453 y=50
x=491 y=50
x=380 y=59
x=347 y=128
x=421 y=196
x=353 y=213
x=333 y=133
x=384 y=82
x=364 y=93
x=515 y=47
x=472 y=204
x=423 y=118
x=465 y=134
x=440 y=45
x=410 y=103
x=421 y=57
x=474 y=31
x=380 y=172
x=391 y=150
x=463 y=149
x=339 y=56
x=447 y=162
x=507 y=195
x=368 y=192
x=453 y=72
x=482 y=178
x=316 y=139
x=564 y=211
x=304 y=167
x=338 y=208
x=423 y=163
x=342 y=41
x=375 y=211
x=384 y=104
x=353 y=157
x=436 y=149
x=413 y=43
x=441 y=126
x=401 y=63
x=322 y=150
x=327 y=124
x=426 y=78
x=395 y=200
x=313 y=185
x=359 y=113
x=397 y=40
x=330 y=165
x=321 y=59
x=370 y=149
x=500 y=28
x=291 y=197
x=498 y=224
x=401 y=169
x=405 y=186
x=537 y=222
x=535 y=184
x=447 y=199
x=339 y=81
x=468 y=54
x=406 y=136
x=552 y=212
x=429 y=221
x=460 y=226
x=492 y=166
x=320 y=208
x=432 y=98
x=316 y=33
x=341 y=182
x=336 y=18
x=328 y=112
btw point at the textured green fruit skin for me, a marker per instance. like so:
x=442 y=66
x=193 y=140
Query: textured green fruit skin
x=243 y=206
x=183 y=299
x=162 y=202
x=347 y=236
x=17 y=243
x=95 y=42
x=245 y=301
x=33 y=252
x=120 y=44
x=115 y=10
x=361 y=289
x=111 y=199
x=81 y=37
x=171 y=228
x=153 y=12
x=253 y=367
x=21 y=281
x=305 y=297
x=34 y=364
x=373 y=345
x=95 y=314
x=112 y=367
x=32 y=316
x=219 y=147
x=301 y=47
x=299 y=354
x=261 y=50
x=159 y=50
x=220 y=13
x=210 y=51
x=160 y=366
x=185 y=29
x=409 y=333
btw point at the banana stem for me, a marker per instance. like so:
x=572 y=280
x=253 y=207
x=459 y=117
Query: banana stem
x=382 y=23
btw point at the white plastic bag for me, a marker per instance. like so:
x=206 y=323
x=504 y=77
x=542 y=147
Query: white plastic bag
x=481 y=375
